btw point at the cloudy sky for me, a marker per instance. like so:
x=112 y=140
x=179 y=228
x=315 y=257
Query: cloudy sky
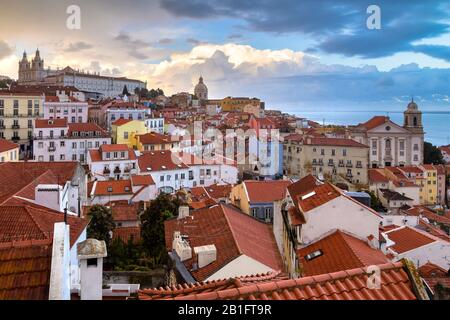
x=288 y=52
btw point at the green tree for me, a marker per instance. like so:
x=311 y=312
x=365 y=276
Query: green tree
x=101 y=223
x=162 y=208
x=375 y=202
x=431 y=154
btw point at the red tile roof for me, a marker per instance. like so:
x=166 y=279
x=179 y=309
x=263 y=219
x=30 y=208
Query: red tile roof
x=142 y=180
x=113 y=147
x=28 y=221
x=322 y=194
x=208 y=286
x=96 y=154
x=50 y=123
x=86 y=127
x=25 y=270
x=340 y=251
x=124 y=212
x=155 y=138
x=127 y=233
x=374 y=122
x=407 y=239
x=15 y=177
x=118 y=187
x=232 y=232
x=431 y=270
x=427 y=213
x=159 y=160
x=375 y=176
x=6 y=145
x=266 y=191
x=218 y=191
x=120 y=122
x=343 y=285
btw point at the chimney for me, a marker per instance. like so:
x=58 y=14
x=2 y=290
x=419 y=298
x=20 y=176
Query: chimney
x=60 y=265
x=48 y=195
x=181 y=246
x=90 y=255
x=205 y=255
x=183 y=212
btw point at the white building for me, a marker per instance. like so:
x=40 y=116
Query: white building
x=57 y=140
x=58 y=107
x=313 y=209
x=172 y=171
x=136 y=189
x=391 y=144
x=112 y=161
x=125 y=110
x=418 y=246
x=155 y=124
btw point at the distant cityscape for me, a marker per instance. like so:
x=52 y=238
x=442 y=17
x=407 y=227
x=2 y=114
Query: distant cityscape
x=151 y=196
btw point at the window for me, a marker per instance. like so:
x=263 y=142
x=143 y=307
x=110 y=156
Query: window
x=322 y=152
x=61 y=157
x=97 y=144
x=122 y=154
x=182 y=176
x=333 y=152
x=74 y=157
x=82 y=157
x=74 y=145
x=125 y=135
x=115 y=155
x=40 y=145
x=161 y=178
x=51 y=158
x=108 y=155
x=62 y=143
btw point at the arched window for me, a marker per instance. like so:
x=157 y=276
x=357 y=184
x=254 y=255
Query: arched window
x=415 y=121
x=388 y=143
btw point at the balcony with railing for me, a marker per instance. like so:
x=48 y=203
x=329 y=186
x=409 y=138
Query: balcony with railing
x=349 y=165
x=359 y=165
x=51 y=148
x=15 y=126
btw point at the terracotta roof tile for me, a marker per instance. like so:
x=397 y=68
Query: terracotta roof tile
x=266 y=191
x=158 y=161
x=346 y=285
x=6 y=145
x=127 y=233
x=407 y=239
x=375 y=176
x=25 y=270
x=374 y=122
x=17 y=176
x=338 y=142
x=28 y=221
x=339 y=251
x=232 y=232
x=50 y=123
x=120 y=121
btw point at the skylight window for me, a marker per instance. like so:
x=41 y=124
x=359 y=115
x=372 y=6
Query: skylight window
x=308 y=195
x=313 y=255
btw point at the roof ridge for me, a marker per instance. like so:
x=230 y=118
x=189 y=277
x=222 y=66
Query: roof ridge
x=221 y=205
x=350 y=245
x=26 y=186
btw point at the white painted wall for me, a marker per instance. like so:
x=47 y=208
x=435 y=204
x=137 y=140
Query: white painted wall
x=436 y=252
x=241 y=266
x=340 y=213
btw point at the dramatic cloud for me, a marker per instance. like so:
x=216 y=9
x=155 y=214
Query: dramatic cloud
x=5 y=50
x=337 y=28
x=78 y=46
x=284 y=78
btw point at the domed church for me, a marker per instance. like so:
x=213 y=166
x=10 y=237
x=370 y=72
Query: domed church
x=201 y=90
x=391 y=144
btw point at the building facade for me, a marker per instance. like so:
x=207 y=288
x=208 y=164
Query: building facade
x=326 y=158
x=33 y=72
x=17 y=113
x=57 y=107
x=391 y=144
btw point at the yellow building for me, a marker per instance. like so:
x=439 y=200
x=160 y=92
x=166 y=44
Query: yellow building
x=430 y=186
x=124 y=131
x=17 y=112
x=154 y=141
x=239 y=104
x=9 y=151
